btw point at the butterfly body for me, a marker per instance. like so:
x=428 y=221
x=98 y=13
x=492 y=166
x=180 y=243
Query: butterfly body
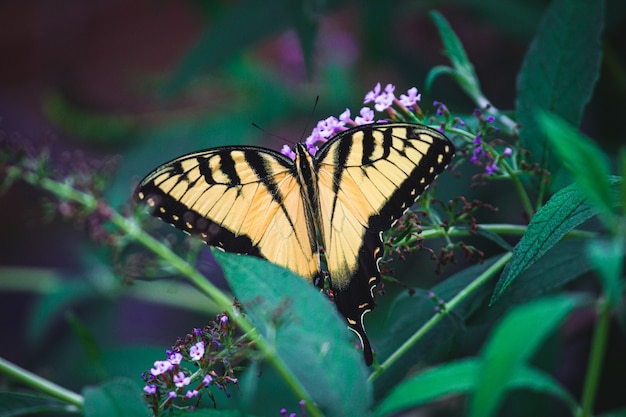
x=257 y=201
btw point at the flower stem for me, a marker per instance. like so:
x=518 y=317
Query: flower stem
x=596 y=356
x=40 y=384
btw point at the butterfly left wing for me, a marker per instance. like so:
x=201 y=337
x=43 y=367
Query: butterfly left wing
x=368 y=177
x=242 y=199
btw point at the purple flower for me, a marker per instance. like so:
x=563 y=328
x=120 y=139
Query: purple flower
x=191 y=393
x=160 y=367
x=507 y=151
x=180 y=380
x=197 y=351
x=175 y=358
x=312 y=149
x=345 y=117
x=371 y=95
x=328 y=126
x=207 y=380
x=288 y=152
x=490 y=119
x=150 y=389
x=313 y=138
x=384 y=101
x=171 y=395
x=366 y=117
x=491 y=168
x=410 y=99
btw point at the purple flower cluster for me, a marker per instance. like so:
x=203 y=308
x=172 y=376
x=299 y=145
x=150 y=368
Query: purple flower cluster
x=383 y=100
x=482 y=153
x=197 y=362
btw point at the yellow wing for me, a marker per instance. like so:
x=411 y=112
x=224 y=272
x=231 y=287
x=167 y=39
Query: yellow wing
x=367 y=178
x=242 y=199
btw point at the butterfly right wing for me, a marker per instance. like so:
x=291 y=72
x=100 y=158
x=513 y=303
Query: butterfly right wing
x=242 y=199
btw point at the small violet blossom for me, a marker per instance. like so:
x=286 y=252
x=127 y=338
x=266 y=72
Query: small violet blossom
x=371 y=95
x=150 y=389
x=160 y=367
x=180 y=380
x=207 y=380
x=288 y=152
x=197 y=351
x=175 y=358
x=411 y=99
x=384 y=101
x=191 y=393
x=366 y=116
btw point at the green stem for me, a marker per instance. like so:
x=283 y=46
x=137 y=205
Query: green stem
x=450 y=306
x=596 y=356
x=498 y=228
x=528 y=206
x=40 y=384
x=183 y=267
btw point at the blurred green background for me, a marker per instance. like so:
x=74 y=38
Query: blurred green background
x=150 y=80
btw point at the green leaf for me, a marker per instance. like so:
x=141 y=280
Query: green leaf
x=463 y=70
x=306 y=331
x=583 y=159
x=559 y=71
x=461 y=377
x=563 y=263
x=513 y=342
x=567 y=209
x=118 y=397
x=13 y=404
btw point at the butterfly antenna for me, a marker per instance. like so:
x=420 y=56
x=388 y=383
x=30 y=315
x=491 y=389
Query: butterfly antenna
x=272 y=134
x=308 y=122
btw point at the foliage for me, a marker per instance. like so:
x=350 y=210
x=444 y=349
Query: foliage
x=276 y=335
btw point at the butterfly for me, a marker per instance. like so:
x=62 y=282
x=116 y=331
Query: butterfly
x=257 y=201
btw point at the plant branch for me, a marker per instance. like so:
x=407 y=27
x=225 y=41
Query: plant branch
x=450 y=306
x=40 y=384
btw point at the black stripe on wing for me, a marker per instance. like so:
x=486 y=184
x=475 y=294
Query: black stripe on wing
x=180 y=216
x=434 y=161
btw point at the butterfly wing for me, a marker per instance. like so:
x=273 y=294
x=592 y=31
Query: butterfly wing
x=242 y=199
x=368 y=177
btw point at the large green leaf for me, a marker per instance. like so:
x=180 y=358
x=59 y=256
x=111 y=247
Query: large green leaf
x=461 y=377
x=512 y=343
x=119 y=397
x=305 y=330
x=566 y=209
x=563 y=263
x=560 y=70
